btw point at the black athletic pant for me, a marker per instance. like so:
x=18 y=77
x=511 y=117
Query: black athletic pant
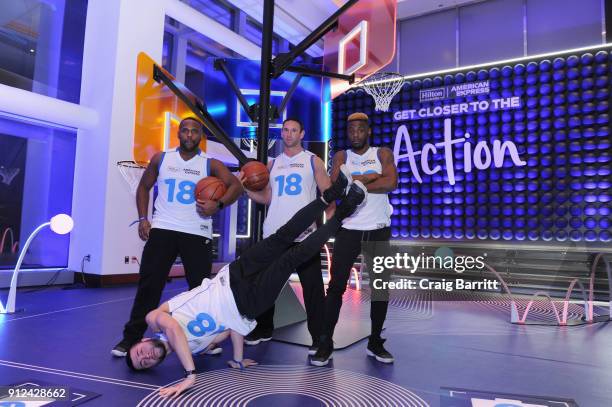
x=314 y=297
x=160 y=252
x=347 y=247
x=259 y=274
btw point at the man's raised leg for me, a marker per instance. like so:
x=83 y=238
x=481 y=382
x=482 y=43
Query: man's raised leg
x=260 y=255
x=270 y=281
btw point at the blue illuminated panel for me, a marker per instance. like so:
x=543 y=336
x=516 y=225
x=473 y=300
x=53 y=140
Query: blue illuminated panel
x=222 y=102
x=242 y=224
x=561 y=130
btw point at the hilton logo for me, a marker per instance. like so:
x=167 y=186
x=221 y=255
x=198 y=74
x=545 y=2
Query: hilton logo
x=429 y=95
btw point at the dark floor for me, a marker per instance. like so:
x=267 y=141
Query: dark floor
x=65 y=336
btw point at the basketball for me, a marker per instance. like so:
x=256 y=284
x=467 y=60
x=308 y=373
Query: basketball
x=256 y=175
x=210 y=189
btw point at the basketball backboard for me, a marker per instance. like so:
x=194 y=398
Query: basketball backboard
x=158 y=113
x=363 y=43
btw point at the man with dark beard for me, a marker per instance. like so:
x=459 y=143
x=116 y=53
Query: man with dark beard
x=180 y=225
x=295 y=176
x=374 y=167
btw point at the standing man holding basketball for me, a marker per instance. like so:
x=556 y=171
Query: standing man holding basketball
x=294 y=177
x=180 y=225
x=374 y=167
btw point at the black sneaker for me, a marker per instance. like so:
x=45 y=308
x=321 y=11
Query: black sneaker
x=377 y=350
x=356 y=195
x=121 y=349
x=338 y=188
x=257 y=336
x=312 y=350
x=323 y=354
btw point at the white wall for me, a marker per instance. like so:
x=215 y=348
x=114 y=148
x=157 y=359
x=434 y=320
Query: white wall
x=116 y=31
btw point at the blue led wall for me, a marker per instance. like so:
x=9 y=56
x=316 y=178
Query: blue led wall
x=561 y=131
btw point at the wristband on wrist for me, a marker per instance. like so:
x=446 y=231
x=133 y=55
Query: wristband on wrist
x=139 y=220
x=220 y=204
x=189 y=373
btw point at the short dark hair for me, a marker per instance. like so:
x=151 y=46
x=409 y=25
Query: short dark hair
x=294 y=119
x=130 y=363
x=195 y=119
x=128 y=359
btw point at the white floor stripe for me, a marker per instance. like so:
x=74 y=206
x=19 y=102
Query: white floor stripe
x=77 y=375
x=79 y=307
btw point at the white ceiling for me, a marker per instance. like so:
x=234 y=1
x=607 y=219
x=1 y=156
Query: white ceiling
x=413 y=8
x=295 y=19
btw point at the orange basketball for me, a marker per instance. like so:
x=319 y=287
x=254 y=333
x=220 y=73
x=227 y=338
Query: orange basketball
x=256 y=175
x=210 y=189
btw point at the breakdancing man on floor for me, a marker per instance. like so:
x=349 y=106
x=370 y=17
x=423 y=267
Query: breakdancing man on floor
x=227 y=305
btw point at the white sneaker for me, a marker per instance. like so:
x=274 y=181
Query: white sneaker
x=215 y=350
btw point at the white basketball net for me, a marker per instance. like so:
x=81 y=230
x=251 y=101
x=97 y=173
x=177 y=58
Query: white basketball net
x=7 y=174
x=131 y=172
x=382 y=86
x=250 y=144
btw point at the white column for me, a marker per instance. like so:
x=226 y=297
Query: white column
x=116 y=31
x=179 y=55
x=34 y=208
x=49 y=47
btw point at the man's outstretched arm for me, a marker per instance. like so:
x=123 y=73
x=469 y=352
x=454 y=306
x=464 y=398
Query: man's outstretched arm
x=162 y=321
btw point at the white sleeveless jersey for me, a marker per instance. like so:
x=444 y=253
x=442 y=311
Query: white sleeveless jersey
x=293 y=187
x=175 y=207
x=208 y=310
x=376 y=212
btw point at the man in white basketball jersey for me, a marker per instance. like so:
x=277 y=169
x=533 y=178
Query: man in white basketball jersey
x=180 y=225
x=375 y=167
x=295 y=176
x=228 y=304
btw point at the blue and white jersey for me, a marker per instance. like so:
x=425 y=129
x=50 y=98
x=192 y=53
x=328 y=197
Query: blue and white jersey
x=293 y=187
x=175 y=206
x=376 y=212
x=208 y=310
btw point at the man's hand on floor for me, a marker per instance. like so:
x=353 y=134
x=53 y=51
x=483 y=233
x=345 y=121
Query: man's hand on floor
x=174 y=391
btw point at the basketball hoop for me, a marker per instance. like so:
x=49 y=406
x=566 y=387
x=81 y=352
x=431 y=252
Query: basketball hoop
x=131 y=172
x=383 y=86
